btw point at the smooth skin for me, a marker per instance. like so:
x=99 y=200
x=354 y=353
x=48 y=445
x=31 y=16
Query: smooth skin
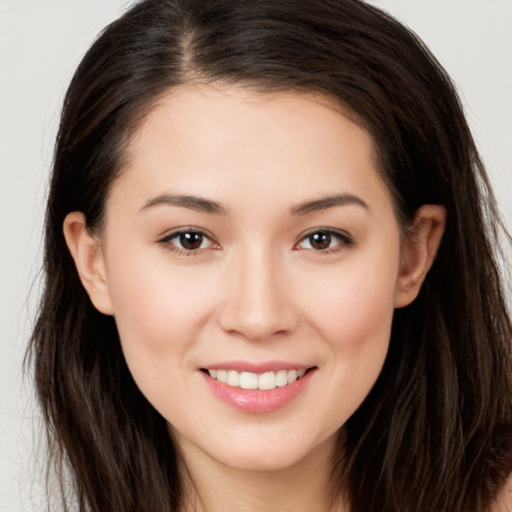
x=253 y=227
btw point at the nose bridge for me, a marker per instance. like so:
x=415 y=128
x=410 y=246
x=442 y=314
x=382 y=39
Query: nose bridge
x=257 y=305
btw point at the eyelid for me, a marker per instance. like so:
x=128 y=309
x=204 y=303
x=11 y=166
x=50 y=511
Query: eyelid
x=169 y=234
x=345 y=239
x=165 y=240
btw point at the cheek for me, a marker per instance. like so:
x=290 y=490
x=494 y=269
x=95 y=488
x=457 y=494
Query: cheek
x=158 y=309
x=354 y=318
x=158 y=314
x=356 y=308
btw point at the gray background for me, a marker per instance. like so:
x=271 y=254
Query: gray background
x=42 y=41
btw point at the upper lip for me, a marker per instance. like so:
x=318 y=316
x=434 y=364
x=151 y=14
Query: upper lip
x=256 y=367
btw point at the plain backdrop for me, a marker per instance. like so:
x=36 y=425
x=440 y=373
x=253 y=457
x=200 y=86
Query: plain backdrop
x=42 y=41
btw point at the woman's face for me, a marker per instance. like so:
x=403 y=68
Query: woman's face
x=251 y=238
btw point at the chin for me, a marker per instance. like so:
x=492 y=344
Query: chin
x=269 y=461
x=269 y=453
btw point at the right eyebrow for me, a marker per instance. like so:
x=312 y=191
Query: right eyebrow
x=196 y=203
x=324 y=203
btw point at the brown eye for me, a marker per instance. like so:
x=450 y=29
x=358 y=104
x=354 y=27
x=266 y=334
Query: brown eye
x=188 y=241
x=324 y=240
x=320 y=240
x=191 y=241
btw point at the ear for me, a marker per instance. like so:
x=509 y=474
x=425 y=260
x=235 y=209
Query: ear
x=419 y=251
x=87 y=254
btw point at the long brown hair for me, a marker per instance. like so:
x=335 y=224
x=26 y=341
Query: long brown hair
x=435 y=433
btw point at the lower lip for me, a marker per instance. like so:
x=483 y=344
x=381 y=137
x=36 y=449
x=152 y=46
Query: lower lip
x=255 y=400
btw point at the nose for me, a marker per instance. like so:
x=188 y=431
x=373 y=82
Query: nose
x=258 y=302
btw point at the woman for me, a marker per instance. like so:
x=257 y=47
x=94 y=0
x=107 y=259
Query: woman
x=271 y=278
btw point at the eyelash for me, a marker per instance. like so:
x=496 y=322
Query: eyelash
x=167 y=241
x=343 y=241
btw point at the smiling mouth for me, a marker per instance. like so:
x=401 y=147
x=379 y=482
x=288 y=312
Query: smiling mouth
x=262 y=381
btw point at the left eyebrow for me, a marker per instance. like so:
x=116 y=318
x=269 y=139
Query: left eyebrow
x=324 y=203
x=196 y=203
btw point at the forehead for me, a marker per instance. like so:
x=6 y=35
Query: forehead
x=201 y=138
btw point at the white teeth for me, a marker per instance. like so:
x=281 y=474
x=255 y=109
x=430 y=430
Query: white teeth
x=281 y=378
x=292 y=376
x=263 y=381
x=233 y=378
x=249 y=380
x=267 y=380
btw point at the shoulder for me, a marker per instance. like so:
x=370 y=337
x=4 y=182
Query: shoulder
x=503 y=502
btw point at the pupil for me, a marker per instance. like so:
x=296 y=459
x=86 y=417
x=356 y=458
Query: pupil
x=191 y=241
x=320 y=240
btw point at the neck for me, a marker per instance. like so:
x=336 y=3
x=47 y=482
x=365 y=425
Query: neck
x=210 y=486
